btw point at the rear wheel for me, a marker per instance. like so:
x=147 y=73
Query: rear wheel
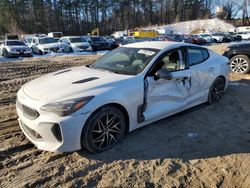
x=216 y=90
x=240 y=64
x=103 y=130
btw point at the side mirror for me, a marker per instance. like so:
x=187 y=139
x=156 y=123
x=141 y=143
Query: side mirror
x=163 y=74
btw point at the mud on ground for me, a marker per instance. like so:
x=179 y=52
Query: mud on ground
x=206 y=146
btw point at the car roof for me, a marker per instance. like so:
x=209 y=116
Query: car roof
x=42 y=37
x=160 y=45
x=71 y=37
x=13 y=40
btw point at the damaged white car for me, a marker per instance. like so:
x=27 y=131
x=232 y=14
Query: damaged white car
x=93 y=107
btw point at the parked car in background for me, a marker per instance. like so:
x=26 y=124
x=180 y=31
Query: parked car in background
x=217 y=38
x=92 y=107
x=207 y=37
x=121 y=41
x=244 y=35
x=236 y=37
x=169 y=38
x=111 y=41
x=74 y=44
x=225 y=37
x=15 y=48
x=239 y=57
x=97 y=43
x=184 y=38
x=198 y=40
x=44 y=45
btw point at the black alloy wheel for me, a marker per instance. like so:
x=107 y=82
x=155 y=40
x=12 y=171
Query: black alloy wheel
x=216 y=90
x=104 y=129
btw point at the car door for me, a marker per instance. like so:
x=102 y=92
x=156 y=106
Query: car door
x=34 y=45
x=64 y=45
x=203 y=73
x=166 y=97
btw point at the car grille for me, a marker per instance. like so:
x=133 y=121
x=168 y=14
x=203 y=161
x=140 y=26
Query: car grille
x=35 y=135
x=20 y=50
x=54 y=49
x=28 y=112
x=83 y=47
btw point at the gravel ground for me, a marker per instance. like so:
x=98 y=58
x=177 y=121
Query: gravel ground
x=206 y=146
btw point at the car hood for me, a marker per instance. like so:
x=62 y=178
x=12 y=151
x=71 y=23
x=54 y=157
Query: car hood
x=50 y=45
x=72 y=83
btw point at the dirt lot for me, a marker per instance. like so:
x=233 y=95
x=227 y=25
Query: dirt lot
x=206 y=146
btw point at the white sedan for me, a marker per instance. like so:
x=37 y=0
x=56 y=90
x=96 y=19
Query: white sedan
x=93 y=106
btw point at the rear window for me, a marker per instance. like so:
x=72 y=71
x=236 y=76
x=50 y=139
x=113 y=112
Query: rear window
x=197 y=55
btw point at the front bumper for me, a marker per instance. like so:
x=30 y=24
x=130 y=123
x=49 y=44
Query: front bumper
x=77 y=49
x=50 y=132
x=20 y=54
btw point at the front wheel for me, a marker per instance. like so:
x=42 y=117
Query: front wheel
x=70 y=50
x=5 y=53
x=103 y=130
x=240 y=64
x=216 y=90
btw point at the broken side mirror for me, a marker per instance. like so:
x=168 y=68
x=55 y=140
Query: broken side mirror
x=163 y=74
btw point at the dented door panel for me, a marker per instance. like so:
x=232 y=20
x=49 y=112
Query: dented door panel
x=168 y=96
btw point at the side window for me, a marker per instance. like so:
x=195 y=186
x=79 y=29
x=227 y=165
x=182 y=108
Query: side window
x=173 y=61
x=205 y=54
x=196 y=56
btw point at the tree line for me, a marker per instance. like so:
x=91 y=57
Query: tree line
x=74 y=17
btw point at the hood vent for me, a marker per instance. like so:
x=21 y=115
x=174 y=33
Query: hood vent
x=85 y=80
x=62 y=72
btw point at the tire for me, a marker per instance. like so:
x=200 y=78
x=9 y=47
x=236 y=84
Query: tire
x=94 y=49
x=240 y=64
x=5 y=53
x=216 y=90
x=98 y=135
x=70 y=50
x=40 y=52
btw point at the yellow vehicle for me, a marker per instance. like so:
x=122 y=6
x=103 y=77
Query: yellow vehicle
x=143 y=34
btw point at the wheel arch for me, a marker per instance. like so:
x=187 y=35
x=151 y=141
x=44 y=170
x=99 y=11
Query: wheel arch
x=223 y=77
x=233 y=55
x=121 y=108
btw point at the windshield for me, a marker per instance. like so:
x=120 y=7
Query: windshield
x=97 y=39
x=29 y=40
x=46 y=40
x=15 y=43
x=129 y=61
x=76 y=40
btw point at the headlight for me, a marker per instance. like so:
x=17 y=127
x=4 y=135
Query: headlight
x=65 y=108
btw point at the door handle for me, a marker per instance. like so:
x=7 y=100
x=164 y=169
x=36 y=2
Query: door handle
x=211 y=68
